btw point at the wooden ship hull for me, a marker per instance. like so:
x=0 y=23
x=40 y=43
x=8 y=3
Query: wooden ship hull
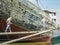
x=38 y=38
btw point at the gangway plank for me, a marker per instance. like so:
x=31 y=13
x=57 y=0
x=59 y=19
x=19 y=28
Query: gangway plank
x=25 y=32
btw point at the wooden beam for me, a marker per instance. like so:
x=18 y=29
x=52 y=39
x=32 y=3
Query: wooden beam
x=25 y=32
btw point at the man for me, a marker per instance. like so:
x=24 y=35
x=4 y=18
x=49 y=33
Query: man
x=8 y=21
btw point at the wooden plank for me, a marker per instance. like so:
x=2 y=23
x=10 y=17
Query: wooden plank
x=25 y=32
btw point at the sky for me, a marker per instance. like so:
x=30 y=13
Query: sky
x=53 y=5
